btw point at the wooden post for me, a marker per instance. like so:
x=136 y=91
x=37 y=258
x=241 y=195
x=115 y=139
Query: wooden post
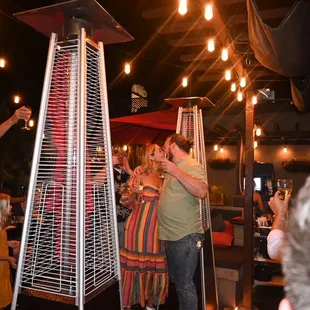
x=248 y=208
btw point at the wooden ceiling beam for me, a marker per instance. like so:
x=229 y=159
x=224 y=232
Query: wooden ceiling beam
x=189 y=41
x=205 y=55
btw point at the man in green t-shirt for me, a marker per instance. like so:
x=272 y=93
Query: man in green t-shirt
x=180 y=224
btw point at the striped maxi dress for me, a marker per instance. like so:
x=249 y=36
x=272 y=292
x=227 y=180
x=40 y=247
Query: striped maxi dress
x=142 y=254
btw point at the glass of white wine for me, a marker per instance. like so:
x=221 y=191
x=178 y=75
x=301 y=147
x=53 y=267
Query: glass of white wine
x=162 y=175
x=27 y=127
x=285 y=187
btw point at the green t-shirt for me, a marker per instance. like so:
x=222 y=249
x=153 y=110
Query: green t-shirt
x=178 y=210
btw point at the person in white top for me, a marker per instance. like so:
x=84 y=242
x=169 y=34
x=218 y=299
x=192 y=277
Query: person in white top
x=275 y=238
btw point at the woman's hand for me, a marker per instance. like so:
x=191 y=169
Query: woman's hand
x=278 y=205
x=12 y=262
x=14 y=244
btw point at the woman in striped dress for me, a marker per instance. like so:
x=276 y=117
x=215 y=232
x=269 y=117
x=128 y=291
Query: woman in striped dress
x=143 y=260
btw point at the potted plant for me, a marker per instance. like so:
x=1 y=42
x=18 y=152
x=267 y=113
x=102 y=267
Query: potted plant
x=297 y=165
x=221 y=163
x=218 y=195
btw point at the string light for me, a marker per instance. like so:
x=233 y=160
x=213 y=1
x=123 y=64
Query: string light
x=254 y=100
x=184 y=82
x=284 y=149
x=233 y=87
x=242 y=82
x=208 y=12
x=258 y=131
x=227 y=75
x=182 y=7
x=222 y=150
x=16 y=99
x=255 y=144
x=127 y=68
x=211 y=45
x=31 y=123
x=224 y=54
x=215 y=147
x=2 y=62
x=239 y=96
x=125 y=148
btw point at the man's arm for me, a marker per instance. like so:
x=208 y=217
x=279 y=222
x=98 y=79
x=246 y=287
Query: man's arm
x=194 y=186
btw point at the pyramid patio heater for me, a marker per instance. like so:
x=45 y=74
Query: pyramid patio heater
x=69 y=248
x=190 y=125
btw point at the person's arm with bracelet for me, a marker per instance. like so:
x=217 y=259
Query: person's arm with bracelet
x=276 y=236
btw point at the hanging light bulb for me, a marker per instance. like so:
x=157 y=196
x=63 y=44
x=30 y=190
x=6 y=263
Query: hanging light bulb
x=254 y=100
x=227 y=75
x=2 y=62
x=215 y=147
x=224 y=54
x=255 y=144
x=258 y=131
x=125 y=148
x=182 y=7
x=211 y=45
x=284 y=149
x=16 y=99
x=233 y=87
x=31 y=123
x=208 y=12
x=222 y=150
x=127 y=68
x=239 y=96
x=184 y=82
x=242 y=82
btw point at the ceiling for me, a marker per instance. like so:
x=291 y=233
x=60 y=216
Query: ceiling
x=167 y=46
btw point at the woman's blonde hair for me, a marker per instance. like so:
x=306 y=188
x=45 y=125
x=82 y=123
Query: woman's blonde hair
x=147 y=164
x=4 y=208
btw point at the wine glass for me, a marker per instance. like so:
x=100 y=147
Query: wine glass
x=137 y=187
x=26 y=127
x=162 y=175
x=285 y=187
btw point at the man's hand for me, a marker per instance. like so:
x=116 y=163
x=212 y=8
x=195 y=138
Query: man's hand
x=137 y=172
x=169 y=167
x=278 y=205
x=12 y=262
x=22 y=113
x=14 y=244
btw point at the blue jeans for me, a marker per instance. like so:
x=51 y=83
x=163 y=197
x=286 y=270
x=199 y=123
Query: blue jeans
x=182 y=256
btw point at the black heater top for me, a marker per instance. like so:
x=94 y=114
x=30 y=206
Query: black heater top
x=68 y=17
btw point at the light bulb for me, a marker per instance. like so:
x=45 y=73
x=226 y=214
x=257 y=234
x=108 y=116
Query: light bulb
x=225 y=54
x=211 y=45
x=233 y=87
x=125 y=148
x=215 y=147
x=184 y=82
x=208 y=12
x=222 y=150
x=2 y=62
x=31 y=123
x=258 y=131
x=183 y=7
x=227 y=75
x=254 y=99
x=242 y=82
x=16 y=99
x=127 y=68
x=255 y=144
x=239 y=96
x=284 y=149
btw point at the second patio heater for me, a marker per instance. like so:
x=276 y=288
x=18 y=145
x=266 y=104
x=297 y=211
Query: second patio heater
x=190 y=125
x=69 y=248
